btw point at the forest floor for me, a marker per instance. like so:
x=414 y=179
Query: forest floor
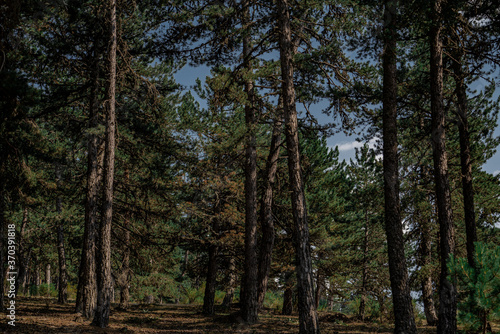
x=45 y=316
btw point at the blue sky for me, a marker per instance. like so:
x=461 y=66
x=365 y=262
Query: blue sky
x=187 y=77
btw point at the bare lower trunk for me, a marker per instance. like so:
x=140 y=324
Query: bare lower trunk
x=228 y=298
x=37 y=279
x=62 y=296
x=124 y=280
x=62 y=285
x=48 y=280
x=250 y=302
x=447 y=294
x=266 y=213
x=364 y=274
x=86 y=299
x=308 y=317
x=3 y=257
x=104 y=279
x=403 y=309
x=319 y=290
x=21 y=256
x=426 y=283
x=288 y=295
x=186 y=263
x=213 y=250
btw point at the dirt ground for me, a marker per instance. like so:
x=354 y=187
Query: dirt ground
x=44 y=316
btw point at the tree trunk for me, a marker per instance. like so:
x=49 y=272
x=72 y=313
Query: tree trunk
x=124 y=281
x=319 y=290
x=266 y=213
x=47 y=275
x=465 y=161
x=308 y=317
x=37 y=279
x=228 y=298
x=3 y=245
x=288 y=295
x=426 y=283
x=186 y=263
x=364 y=275
x=62 y=285
x=250 y=302
x=403 y=310
x=86 y=299
x=213 y=250
x=104 y=279
x=447 y=294
x=21 y=256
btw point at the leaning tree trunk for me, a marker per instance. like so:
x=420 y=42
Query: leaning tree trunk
x=447 y=294
x=403 y=310
x=266 y=213
x=308 y=316
x=104 y=279
x=465 y=161
x=250 y=302
x=62 y=296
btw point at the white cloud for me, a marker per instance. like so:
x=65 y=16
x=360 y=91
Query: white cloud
x=495 y=173
x=356 y=144
x=349 y=146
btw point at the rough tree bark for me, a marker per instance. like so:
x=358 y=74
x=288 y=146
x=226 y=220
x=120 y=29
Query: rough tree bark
x=62 y=285
x=2 y=245
x=104 y=279
x=364 y=274
x=21 y=256
x=250 y=303
x=447 y=322
x=287 y=308
x=213 y=251
x=228 y=298
x=308 y=317
x=404 y=321
x=124 y=279
x=266 y=211
x=426 y=280
x=86 y=299
x=465 y=160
